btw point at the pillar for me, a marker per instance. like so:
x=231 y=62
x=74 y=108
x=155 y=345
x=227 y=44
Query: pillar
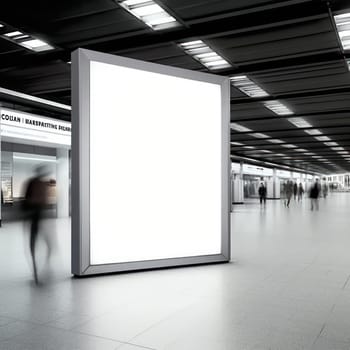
x=62 y=182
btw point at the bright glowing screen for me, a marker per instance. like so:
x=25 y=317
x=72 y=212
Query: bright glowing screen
x=155 y=166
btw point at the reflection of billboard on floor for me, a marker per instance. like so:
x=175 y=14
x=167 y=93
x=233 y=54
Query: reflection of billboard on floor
x=150 y=150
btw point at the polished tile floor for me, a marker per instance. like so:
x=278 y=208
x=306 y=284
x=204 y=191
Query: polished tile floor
x=288 y=287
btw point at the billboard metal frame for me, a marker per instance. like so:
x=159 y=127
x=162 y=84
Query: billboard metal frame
x=81 y=265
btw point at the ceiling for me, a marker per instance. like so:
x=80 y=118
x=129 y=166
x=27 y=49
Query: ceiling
x=289 y=48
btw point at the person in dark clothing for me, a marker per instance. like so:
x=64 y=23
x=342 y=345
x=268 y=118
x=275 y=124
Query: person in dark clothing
x=36 y=198
x=314 y=194
x=289 y=193
x=295 y=190
x=262 y=193
x=300 y=192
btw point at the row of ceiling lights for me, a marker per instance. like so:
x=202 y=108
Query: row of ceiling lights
x=25 y=40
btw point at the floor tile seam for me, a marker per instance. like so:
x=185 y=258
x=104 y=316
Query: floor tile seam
x=122 y=342
x=73 y=332
x=19 y=334
x=346 y=282
x=138 y=346
x=160 y=321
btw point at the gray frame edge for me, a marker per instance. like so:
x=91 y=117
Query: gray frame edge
x=81 y=166
x=80 y=161
x=226 y=170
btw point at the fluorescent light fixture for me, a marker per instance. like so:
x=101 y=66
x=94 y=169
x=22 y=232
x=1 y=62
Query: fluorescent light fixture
x=277 y=107
x=36 y=45
x=32 y=159
x=287 y=145
x=259 y=135
x=343 y=26
x=248 y=87
x=204 y=54
x=1 y=25
x=239 y=127
x=13 y=34
x=337 y=148
x=322 y=138
x=150 y=13
x=309 y=153
x=331 y=144
x=275 y=141
x=348 y=64
x=343 y=152
x=301 y=150
x=236 y=143
x=266 y=151
x=299 y=122
x=249 y=147
x=313 y=132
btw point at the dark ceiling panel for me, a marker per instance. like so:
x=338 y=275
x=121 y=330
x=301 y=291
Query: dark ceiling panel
x=289 y=48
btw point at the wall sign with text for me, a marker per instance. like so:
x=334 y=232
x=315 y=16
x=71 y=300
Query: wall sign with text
x=17 y=126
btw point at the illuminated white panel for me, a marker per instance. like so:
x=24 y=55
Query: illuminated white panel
x=163 y=189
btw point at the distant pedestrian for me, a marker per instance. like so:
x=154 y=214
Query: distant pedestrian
x=295 y=190
x=262 y=194
x=325 y=190
x=289 y=193
x=314 y=194
x=300 y=192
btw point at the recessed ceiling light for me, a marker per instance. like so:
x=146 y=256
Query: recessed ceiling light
x=1 y=25
x=343 y=152
x=244 y=84
x=343 y=26
x=239 y=127
x=275 y=141
x=299 y=122
x=13 y=34
x=259 y=135
x=277 y=107
x=36 y=45
x=301 y=150
x=313 y=132
x=204 y=54
x=289 y=146
x=322 y=138
x=150 y=13
x=331 y=144
x=24 y=36
x=337 y=148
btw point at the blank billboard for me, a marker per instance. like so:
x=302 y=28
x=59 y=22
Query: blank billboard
x=150 y=165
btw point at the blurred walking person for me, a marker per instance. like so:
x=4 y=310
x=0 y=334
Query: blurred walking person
x=300 y=192
x=325 y=190
x=295 y=190
x=262 y=194
x=35 y=203
x=314 y=194
x=289 y=193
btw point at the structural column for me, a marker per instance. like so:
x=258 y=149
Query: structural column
x=62 y=182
